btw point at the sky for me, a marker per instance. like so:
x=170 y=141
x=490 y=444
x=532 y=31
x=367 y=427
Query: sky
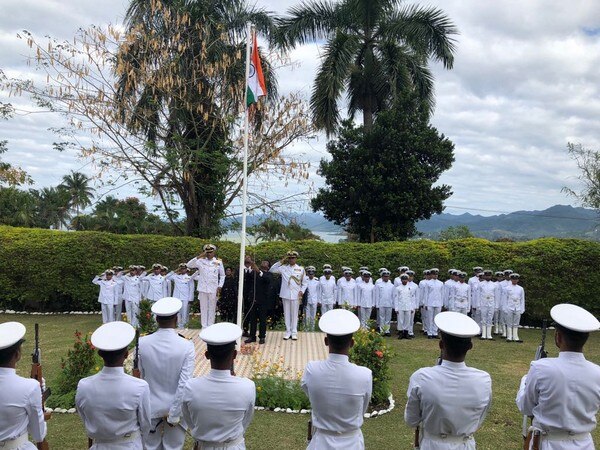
x=525 y=83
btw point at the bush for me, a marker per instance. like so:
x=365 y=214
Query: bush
x=81 y=362
x=370 y=351
x=52 y=270
x=146 y=321
x=276 y=386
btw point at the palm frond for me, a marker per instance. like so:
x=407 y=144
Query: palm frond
x=308 y=22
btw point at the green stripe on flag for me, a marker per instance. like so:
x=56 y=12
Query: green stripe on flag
x=250 y=97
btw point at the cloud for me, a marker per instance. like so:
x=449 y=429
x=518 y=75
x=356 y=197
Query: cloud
x=524 y=83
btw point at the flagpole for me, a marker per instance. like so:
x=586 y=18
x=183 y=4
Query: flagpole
x=244 y=183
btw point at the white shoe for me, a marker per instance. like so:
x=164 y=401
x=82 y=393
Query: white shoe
x=294 y=337
x=286 y=337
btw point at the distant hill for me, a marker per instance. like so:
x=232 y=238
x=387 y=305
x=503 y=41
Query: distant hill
x=556 y=221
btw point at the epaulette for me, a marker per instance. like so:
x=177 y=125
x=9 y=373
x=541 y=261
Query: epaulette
x=182 y=336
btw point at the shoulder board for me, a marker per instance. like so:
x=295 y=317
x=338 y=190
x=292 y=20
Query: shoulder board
x=182 y=336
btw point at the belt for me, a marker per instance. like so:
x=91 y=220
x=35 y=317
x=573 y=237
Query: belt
x=129 y=437
x=559 y=435
x=221 y=445
x=14 y=444
x=337 y=433
x=448 y=437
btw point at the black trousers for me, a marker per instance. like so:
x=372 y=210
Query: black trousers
x=258 y=313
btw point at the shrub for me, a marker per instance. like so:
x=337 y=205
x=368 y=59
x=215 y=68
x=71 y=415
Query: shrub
x=146 y=321
x=276 y=386
x=81 y=362
x=370 y=350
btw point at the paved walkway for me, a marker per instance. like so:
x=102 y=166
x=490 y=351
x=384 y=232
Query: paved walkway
x=289 y=356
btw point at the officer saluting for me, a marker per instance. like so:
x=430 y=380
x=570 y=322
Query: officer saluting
x=114 y=406
x=563 y=394
x=166 y=362
x=339 y=391
x=20 y=398
x=449 y=401
x=211 y=277
x=219 y=406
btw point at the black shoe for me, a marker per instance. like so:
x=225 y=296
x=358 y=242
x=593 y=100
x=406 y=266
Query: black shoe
x=261 y=341
x=245 y=334
x=411 y=336
x=250 y=340
x=400 y=336
x=388 y=334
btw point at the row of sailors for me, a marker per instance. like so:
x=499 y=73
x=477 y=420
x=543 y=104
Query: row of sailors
x=448 y=402
x=118 y=286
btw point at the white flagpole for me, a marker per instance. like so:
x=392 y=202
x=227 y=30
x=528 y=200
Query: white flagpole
x=244 y=182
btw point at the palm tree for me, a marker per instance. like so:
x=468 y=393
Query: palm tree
x=78 y=187
x=374 y=49
x=53 y=207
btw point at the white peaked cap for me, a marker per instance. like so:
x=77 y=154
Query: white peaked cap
x=574 y=318
x=11 y=333
x=167 y=306
x=339 y=322
x=457 y=324
x=221 y=333
x=113 y=336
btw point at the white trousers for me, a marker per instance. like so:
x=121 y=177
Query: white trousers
x=385 y=317
x=411 y=327
x=513 y=318
x=119 y=310
x=424 y=318
x=108 y=313
x=348 y=441
x=403 y=320
x=133 y=313
x=208 y=308
x=165 y=437
x=462 y=310
x=487 y=313
x=184 y=314
x=476 y=315
x=326 y=307
x=309 y=316
x=290 y=314
x=432 y=329
x=364 y=314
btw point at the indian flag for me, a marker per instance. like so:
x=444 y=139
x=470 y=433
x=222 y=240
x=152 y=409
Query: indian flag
x=256 y=79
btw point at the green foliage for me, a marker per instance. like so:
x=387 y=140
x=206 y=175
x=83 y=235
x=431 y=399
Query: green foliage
x=370 y=350
x=80 y=362
x=146 y=321
x=276 y=386
x=588 y=162
x=272 y=229
x=457 y=232
x=52 y=270
x=379 y=183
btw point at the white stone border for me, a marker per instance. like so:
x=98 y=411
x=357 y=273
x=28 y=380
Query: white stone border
x=61 y=410
x=35 y=313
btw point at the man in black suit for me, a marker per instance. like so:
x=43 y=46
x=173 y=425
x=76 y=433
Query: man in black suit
x=261 y=305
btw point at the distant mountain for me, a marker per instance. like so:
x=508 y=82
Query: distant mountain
x=556 y=221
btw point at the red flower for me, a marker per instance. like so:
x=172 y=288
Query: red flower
x=379 y=354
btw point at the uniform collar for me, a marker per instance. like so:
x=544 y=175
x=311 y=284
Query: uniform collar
x=453 y=365
x=571 y=355
x=7 y=371
x=113 y=370
x=163 y=330
x=337 y=358
x=215 y=373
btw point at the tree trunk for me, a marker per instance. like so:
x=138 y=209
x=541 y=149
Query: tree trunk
x=373 y=223
x=368 y=118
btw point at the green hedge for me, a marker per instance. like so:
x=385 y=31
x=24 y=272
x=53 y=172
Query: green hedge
x=52 y=270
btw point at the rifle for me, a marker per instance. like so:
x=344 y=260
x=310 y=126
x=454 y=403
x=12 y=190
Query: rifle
x=309 y=432
x=417 y=443
x=36 y=374
x=136 y=370
x=527 y=435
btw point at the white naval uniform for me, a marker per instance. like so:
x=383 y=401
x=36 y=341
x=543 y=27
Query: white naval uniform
x=346 y=292
x=563 y=396
x=384 y=300
x=328 y=293
x=132 y=294
x=404 y=302
x=219 y=408
x=115 y=409
x=292 y=284
x=476 y=312
x=501 y=306
x=155 y=287
x=433 y=300
x=448 y=294
x=462 y=298
x=166 y=362
x=365 y=300
x=424 y=311
x=416 y=305
x=488 y=295
x=211 y=277
x=514 y=304
x=449 y=402
x=183 y=289
x=313 y=295
x=108 y=297
x=339 y=394
x=20 y=410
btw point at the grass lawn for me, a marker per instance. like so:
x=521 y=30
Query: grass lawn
x=501 y=430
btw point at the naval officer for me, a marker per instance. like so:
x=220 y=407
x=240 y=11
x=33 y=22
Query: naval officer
x=219 y=406
x=114 y=406
x=166 y=362
x=449 y=401
x=211 y=277
x=339 y=391
x=20 y=398
x=563 y=394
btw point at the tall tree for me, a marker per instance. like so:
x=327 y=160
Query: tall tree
x=374 y=50
x=380 y=182
x=53 y=207
x=588 y=162
x=78 y=186
x=9 y=175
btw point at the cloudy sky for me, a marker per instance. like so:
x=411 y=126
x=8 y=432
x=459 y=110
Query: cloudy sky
x=525 y=82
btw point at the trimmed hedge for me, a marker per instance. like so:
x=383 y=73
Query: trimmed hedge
x=52 y=270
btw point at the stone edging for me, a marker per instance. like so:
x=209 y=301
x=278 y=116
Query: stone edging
x=61 y=410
